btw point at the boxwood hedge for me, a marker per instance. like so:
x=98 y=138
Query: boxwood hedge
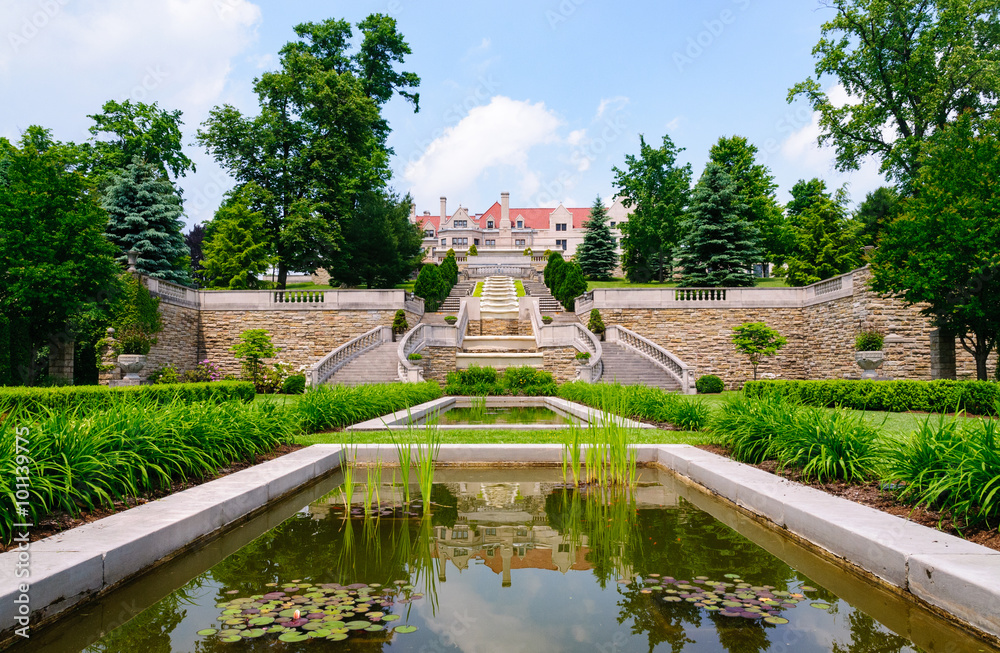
x=974 y=397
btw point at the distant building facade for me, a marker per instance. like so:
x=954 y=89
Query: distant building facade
x=503 y=230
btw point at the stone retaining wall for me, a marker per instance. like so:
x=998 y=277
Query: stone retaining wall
x=437 y=362
x=561 y=361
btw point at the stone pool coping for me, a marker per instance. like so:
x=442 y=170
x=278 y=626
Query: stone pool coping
x=397 y=421
x=951 y=575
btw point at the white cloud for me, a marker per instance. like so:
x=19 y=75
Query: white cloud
x=496 y=136
x=576 y=137
x=618 y=103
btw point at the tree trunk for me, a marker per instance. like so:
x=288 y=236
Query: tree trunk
x=282 y=275
x=980 y=348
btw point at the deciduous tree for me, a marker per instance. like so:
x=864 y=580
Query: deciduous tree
x=756 y=341
x=944 y=250
x=908 y=68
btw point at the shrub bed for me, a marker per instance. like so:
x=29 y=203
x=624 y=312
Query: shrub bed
x=515 y=381
x=974 y=397
x=89 y=398
x=80 y=459
x=328 y=407
x=639 y=402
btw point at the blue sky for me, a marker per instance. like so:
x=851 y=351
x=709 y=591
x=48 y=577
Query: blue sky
x=538 y=98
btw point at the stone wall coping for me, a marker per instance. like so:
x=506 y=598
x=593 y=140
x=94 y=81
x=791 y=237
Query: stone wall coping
x=950 y=574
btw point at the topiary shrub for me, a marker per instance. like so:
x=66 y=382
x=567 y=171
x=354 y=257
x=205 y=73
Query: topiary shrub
x=709 y=385
x=399 y=323
x=473 y=251
x=415 y=357
x=294 y=385
x=596 y=322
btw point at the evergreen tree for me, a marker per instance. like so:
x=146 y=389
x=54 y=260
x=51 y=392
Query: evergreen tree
x=596 y=254
x=721 y=244
x=804 y=195
x=431 y=287
x=237 y=251
x=194 y=239
x=825 y=243
x=144 y=214
x=382 y=247
x=755 y=188
x=555 y=260
x=449 y=270
x=571 y=285
x=880 y=209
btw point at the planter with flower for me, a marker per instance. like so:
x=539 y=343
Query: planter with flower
x=868 y=352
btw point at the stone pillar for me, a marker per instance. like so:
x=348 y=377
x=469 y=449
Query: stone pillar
x=506 y=555
x=943 y=355
x=107 y=360
x=61 y=354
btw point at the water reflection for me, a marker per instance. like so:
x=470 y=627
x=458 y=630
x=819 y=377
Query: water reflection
x=520 y=565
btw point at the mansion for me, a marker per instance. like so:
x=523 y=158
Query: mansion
x=506 y=231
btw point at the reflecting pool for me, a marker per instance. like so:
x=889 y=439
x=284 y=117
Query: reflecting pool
x=508 y=560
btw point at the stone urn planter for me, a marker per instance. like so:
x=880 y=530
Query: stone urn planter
x=869 y=362
x=131 y=365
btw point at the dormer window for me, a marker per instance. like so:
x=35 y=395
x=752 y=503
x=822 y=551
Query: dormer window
x=489 y=224
x=520 y=224
x=560 y=227
x=461 y=224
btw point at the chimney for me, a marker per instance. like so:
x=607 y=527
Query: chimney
x=444 y=210
x=413 y=211
x=505 y=206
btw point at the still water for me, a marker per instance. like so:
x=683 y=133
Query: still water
x=508 y=561
x=497 y=415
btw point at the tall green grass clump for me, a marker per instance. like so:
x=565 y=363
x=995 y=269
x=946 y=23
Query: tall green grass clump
x=81 y=459
x=328 y=407
x=951 y=465
x=747 y=426
x=479 y=381
x=829 y=446
x=640 y=402
x=94 y=398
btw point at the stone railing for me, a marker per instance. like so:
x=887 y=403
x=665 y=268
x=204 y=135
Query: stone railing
x=498 y=270
x=173 y=293
x=335 y=360
x=586 y=341
x=413 y=304
x=462 y=325
x=746 y=298
x=675 y=367
x=412 y=343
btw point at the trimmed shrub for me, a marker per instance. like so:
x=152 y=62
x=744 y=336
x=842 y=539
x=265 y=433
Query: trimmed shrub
x=486 y=381
x=90 y=398
x=415 y=357
x=974 y=397
x=399 y=323
x=294 y=385
x=709 y=385
x=596 y=322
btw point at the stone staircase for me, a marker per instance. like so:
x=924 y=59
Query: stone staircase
x=629 y=368
x=546 y=302
x=452 y=303
x=376 y=366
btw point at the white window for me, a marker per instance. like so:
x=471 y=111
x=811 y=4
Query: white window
x=519 y=243
x=560 y=227
x=489 y=224
x=429 y=233
x=491 y=243
x=561 y=244
x=444 y=242
x=459 y=241
x=461 y=224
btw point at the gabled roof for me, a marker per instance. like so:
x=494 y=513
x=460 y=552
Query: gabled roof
x=537 y=218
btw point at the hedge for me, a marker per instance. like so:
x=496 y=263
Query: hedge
x=974 y=397
x=92 y=397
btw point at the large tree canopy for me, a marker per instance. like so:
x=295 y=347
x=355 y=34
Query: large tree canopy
x=944 y=250
x=54 y=259
x=124 y=131
x=656 y=187
x=908 y=67
x=382 y=247
x=319 y=142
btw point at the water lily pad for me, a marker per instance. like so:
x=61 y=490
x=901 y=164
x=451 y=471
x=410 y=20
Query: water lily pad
x=231 y=639
x=806 y=588
x=292 y=637
x=390 y=617
x=336 y=637
x=233 y=622
x=374 y=628
x=253 y=634
x=819 y=605
x=776 y=620
x=728 y=613
x=207 y=632
x=404 y=629
x=228 y=632
x=357 y=625
x=261 y=621
x=672 y=599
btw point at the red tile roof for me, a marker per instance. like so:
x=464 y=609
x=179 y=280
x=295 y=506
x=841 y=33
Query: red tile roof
x=537 y=218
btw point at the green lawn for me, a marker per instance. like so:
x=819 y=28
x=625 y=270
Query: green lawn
x=408 y=286
x=478 y=292
x=892 y=424
x=519 y=285
x=622 y=283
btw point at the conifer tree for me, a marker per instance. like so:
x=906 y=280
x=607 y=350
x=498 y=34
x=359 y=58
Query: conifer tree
x=237 y=251
x=144 y=214
x=596 y=254
x=721 y=245
x=429 y=286
x=571 y=285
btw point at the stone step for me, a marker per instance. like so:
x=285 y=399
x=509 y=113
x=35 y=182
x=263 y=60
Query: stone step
x=380 y=365
x=629 y=368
